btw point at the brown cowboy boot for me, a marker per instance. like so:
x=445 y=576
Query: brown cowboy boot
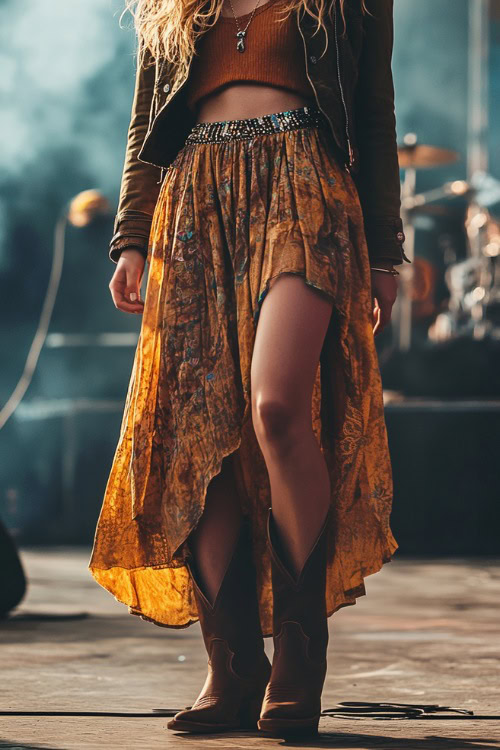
x=238 y=668
x=292 y=703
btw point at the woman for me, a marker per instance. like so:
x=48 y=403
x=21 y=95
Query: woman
x=251 y=485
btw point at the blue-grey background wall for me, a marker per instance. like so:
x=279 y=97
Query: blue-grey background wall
x=430 y=65
x=430 y=77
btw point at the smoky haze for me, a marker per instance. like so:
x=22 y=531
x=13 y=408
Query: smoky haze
x=64 y=87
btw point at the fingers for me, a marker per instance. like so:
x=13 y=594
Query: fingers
x=125 y=288
x=384 y=293
x=384 y=308
x=376 y=319
x=382 y=311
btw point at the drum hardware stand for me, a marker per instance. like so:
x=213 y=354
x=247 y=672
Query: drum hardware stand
x=413 y=156
x=477 y=161
x=404 y=301
x=474 y=283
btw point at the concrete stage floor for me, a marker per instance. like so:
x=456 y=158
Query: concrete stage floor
x=427 y=632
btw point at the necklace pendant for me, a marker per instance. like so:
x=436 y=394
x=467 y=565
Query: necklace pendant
x=240 y=44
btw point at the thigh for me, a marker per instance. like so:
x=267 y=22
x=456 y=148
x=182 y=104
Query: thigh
x=291 y=328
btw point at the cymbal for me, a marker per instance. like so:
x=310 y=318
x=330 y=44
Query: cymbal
x=422 y=156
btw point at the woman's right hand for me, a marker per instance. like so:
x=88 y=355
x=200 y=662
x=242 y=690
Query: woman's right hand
x=125 y=284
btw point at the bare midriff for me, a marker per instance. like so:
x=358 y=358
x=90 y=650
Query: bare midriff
x=241 y=99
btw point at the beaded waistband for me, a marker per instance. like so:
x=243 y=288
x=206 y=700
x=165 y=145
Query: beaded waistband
x=238 y=130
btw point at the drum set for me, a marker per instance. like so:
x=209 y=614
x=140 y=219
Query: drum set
x=471 y=273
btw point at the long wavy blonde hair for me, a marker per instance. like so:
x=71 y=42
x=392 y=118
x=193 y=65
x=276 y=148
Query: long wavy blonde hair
x=168 y=29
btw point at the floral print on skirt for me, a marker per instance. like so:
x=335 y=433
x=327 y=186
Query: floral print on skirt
x=230 y=217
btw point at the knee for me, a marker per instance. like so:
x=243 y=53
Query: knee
x=276 y=421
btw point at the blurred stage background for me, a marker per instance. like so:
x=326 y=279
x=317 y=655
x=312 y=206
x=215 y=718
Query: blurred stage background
x=66 y=98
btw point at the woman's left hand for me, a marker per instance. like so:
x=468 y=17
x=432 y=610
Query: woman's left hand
x=384 y=293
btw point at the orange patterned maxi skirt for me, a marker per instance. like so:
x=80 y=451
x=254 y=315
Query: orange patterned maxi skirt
x=232 y=215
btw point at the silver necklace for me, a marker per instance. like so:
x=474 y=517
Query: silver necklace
x=241 y=33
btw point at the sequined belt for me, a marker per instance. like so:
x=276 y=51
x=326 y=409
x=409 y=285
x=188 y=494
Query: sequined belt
x=238 y=130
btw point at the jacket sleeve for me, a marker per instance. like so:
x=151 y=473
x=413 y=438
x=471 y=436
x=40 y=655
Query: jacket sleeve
x=140 y=183
x=378 y=181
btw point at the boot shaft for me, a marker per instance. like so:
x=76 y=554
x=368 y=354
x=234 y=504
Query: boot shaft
x=233 y=617
x=302 y=599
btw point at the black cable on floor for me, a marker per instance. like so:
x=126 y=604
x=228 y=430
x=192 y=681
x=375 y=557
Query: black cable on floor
x=344 y=710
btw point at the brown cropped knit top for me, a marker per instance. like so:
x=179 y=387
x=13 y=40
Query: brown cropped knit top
x=273 y=56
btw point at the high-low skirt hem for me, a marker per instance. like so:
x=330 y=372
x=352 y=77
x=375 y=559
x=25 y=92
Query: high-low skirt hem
x=110 y=580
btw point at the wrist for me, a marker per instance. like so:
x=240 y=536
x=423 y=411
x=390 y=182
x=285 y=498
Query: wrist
x=132 y=250
x=133 y=255
x=382 y=263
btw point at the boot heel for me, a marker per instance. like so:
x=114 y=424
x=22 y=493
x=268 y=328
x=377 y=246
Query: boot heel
x=289 y=728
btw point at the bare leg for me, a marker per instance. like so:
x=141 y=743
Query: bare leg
x=213 y=540
x=292 y=325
